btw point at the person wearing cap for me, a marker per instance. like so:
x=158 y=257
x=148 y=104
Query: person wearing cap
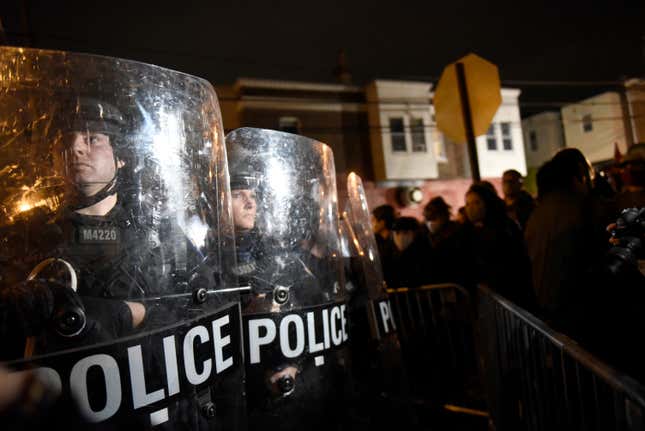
x=444 y=237
x=410 y=259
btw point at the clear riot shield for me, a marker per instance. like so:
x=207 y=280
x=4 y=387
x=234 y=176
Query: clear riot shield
x=115 y=239
x=295 y=317
x=373 y=327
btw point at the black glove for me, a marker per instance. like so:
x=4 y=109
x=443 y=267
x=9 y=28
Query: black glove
x=60 y=317
x=26 y=308
x=107 y=318
x=84 y=321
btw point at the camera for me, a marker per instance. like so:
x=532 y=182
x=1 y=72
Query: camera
x=628 y=238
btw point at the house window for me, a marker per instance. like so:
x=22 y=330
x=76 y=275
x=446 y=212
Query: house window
x=533 y=140
x=418 y=135
x=587 y=123
x=397 y=132
x=507 y=139
x=290 y=125
x=491 y=140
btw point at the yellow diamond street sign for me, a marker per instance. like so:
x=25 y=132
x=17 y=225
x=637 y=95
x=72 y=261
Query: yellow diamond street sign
x=465 y=101
x=484 y=95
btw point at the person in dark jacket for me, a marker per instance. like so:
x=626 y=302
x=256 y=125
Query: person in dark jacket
x=564 y=239
x=383 y=218
x=444 y=237
x=496 y=255
x=519 y=203
x=410 y=259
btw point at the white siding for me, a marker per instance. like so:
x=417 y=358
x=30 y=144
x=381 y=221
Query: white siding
x=636 y=101
x=549 y=134
x=405 y=100
x=493 y=163
x=608 y=126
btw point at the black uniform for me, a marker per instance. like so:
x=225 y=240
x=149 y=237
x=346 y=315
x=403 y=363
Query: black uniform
x=115 y=258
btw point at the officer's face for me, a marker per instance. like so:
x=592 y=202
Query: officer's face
x=244 y=208
x=90 y=161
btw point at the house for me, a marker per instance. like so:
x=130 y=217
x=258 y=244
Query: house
x=384 y=131
x=635 y=108
x=597 y=125
x=543 y=137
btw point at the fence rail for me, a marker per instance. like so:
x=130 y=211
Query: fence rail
x=539 y=379
x=435 y=327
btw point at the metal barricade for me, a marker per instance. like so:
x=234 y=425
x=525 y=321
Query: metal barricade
x=435 y=326
x=538 y=379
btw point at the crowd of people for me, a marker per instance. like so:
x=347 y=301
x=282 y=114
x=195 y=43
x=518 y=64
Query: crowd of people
x=558 y=255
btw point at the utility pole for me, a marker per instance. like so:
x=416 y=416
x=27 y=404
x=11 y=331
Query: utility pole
x=468 y=121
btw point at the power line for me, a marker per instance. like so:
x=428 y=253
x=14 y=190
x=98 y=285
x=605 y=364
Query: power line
x=410 y=101
x=530 y=82
x=425 y=127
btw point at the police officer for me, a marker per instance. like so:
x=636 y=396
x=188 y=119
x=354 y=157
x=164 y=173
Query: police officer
x=93 y=232
x=290 y=256
x=270 y=265
x=244 y=206
x=115 y=230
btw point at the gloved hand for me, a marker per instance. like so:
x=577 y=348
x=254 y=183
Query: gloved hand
x=60 y=317
x=101 y=320
x=26 y=307
x=107 y=318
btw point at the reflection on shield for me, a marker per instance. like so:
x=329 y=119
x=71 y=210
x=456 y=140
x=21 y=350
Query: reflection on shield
x=295 y=317
x=115 y=228
x=375 y=339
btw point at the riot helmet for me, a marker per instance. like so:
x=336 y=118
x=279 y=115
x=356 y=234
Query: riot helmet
x=92 y=148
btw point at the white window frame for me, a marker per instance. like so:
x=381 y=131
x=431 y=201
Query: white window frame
x=492 y=136
x=533 y=140
x=508 y=137
x=403 y=119
x=587 y=123
x=414 y=133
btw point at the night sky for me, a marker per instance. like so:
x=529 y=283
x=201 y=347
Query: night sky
x=299 y=40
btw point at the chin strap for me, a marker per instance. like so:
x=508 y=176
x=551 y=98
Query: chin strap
x=81 y=201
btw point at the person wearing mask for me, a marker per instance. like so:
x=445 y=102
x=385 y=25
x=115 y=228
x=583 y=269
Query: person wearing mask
x=409 y=262
x=443 y=236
